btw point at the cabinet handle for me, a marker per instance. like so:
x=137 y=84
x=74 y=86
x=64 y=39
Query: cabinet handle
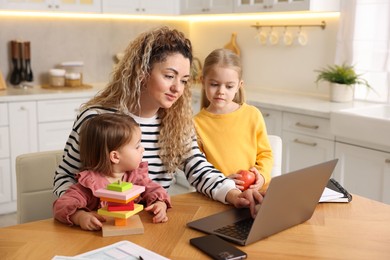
x=307 y=126
x=22 y=108
x=266 y=115
x=387 y=161
x=305 y=143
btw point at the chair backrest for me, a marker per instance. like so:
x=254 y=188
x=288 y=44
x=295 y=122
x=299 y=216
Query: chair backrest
x=34 y=183
x=276 y=145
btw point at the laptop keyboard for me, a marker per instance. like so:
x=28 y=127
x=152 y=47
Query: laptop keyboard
x=238 y=230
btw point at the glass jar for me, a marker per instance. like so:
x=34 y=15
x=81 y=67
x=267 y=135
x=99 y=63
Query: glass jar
x=72 y=68
x=73 y=79
x=57 y=77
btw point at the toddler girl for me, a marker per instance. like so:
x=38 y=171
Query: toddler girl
x=110 y=151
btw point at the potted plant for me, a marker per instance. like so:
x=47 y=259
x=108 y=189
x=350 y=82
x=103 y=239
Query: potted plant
x=342 y=79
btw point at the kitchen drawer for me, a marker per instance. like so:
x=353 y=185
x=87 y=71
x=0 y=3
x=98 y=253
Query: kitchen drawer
x=59 y=109
x=308 y=125
x=3 y=114
x=4 y=142
x=53 y=136
x=273 y=120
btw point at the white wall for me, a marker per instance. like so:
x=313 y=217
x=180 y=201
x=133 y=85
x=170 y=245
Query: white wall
x=274 y=67
x=54 y=40
x=95 y=42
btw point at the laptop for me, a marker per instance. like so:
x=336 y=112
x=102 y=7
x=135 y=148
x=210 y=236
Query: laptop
x=290 y=200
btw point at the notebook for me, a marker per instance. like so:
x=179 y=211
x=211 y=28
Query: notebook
x=334 y=192
x=290 y=200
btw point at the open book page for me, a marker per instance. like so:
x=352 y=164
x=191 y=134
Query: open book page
x=330 y=194
x=123 y=250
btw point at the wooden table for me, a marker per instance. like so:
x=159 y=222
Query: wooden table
x=357 y=230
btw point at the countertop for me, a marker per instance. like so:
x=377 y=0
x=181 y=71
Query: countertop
x=14 y=94
x=315 y=105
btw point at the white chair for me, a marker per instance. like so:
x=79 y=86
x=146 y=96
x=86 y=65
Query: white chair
x=34 y=181
x=276 y=146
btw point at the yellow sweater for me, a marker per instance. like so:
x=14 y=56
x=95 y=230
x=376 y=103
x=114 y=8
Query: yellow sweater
x=235 y=141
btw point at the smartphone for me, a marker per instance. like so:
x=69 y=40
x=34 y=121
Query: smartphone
x=217 y=248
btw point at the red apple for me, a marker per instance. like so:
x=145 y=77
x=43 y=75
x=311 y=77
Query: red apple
x=248 y=177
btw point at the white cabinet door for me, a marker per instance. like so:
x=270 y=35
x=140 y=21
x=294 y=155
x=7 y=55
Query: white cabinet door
x=5 y=182
x=5 y=175
x=252 y=6
x=23 y=132
x=206 y=6
x=120 y=6
x=273 y=121
x=53 y=136
x=140 y=6
x=364 y=171
x=307 y=140
x=170 y=7
x=55 y=121
x=301 y=151
x=25 y=5
x=53 y=5
x=87 y=6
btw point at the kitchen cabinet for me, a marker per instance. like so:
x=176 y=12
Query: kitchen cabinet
x=55 y=120
x=169 y=7
x=5 y=177
x=252 y=6
x=93 y=6
x=273 y=120
x=23 y=133
x=206 y=6
x=307 y=140
x=363 y=171
x=32 y=125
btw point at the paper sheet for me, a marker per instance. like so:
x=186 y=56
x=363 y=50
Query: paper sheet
x=123 y=250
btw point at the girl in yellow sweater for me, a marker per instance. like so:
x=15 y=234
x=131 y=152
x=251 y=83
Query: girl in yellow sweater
x=231 y=133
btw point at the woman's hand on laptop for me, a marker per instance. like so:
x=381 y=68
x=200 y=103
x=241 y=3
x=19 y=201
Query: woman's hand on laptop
x=246 y=199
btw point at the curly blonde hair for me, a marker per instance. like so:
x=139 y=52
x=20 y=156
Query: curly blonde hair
x=130 y=76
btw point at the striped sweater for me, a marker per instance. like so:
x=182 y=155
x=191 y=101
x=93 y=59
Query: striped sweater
x=199 y=173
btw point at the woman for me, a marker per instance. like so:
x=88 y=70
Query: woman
x=151 y=85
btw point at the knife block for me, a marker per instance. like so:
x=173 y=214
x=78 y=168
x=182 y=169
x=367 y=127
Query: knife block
x=2 y=82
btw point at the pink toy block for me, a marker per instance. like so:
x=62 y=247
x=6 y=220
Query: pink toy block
x=120 y=195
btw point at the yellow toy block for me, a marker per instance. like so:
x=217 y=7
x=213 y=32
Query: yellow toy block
x=120 y=186
x=121 y=214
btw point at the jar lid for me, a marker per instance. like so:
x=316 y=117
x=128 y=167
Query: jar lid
x=72 y=64
x=72 y=75
x=57 y=72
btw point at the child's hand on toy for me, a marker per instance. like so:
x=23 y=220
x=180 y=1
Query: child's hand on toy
x=90 y=221
x=159 y=209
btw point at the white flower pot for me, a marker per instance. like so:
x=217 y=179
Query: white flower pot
x=341 y=92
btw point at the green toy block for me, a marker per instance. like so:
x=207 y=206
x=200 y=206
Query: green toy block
x=120 y=186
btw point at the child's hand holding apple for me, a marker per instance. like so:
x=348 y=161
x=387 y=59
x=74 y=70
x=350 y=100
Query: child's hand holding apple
x=248 y=179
